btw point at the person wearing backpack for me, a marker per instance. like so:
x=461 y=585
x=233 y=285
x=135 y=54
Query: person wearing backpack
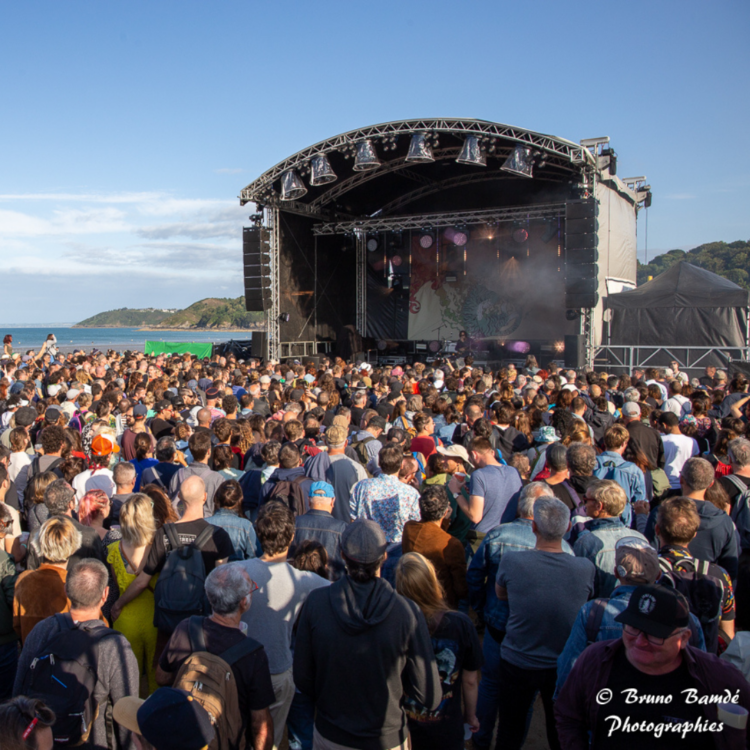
x=182 y=553
x=706 y=585
x=366 y=443
x=288 y=483
x=282 y=590
x=224 y=670
x=636 y=564
x=77 y=665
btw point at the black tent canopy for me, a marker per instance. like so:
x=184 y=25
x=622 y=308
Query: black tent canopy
x=684 y=306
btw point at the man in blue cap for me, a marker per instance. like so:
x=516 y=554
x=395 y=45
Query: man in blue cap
x=168 y=720
x=320 y=525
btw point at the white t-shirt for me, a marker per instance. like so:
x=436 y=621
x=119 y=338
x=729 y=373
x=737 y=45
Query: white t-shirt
x=101 y=479
x=678 y=405
x=677 y=450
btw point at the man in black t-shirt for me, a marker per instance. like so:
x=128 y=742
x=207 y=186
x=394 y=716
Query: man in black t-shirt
x=644 y=690
x=215 y=552
x=229 y=591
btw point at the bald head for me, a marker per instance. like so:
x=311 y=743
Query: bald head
x=204 y=417
x=193 y=492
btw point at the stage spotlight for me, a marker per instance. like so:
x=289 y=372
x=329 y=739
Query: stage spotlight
x=367 y=157
x=372 y=244
x=647 y=201
x=382 y=345
x=321 y=172
x=471 y=153
x=420 y=152
x=284 y=318
x=559 y=347
x=460 y=239
x=519 y=347
x=397 y=260
x=520 y=235
x=572 y=314
x=551 y=231
x=449 y=234
x=434 y=346
x=426 y=241
x=292 y=186
x=519 y=162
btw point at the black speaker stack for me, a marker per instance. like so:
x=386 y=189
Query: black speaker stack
x=581 y=255
x=256 y=249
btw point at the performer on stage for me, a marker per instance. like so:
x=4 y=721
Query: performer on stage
x=463 y=345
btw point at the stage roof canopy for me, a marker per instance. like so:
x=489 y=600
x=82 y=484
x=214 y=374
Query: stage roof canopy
x=398 y=186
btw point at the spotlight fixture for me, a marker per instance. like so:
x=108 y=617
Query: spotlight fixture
x=284 y=318
x=460 y=239
x=420 y=151
x=292 y=186
x=372 y=244
x=426 y=241
x=572 y=314
x=520 y=235
x=559 y=347
x=321 y=172
x=397 y=260
x=519 y=162
x=471 y=153
x=257 y=219
x=366 y=158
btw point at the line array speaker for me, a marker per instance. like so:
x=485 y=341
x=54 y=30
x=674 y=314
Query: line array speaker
x=256 y=253
x=581 y=255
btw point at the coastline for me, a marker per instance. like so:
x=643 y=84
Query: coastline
x=199 y=330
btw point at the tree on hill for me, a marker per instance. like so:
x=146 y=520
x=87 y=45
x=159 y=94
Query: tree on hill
x=728 y=259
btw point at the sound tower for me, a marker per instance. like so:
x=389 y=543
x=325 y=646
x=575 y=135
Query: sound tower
x=575 y=351
x=581 y=255
x=259 y=347
x=256 y=253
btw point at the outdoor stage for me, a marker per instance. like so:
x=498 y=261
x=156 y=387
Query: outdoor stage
x=406 y=233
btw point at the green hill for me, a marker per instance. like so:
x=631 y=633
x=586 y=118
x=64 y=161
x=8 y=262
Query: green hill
x=125 y=318
x=208 y=313
x=730 y=260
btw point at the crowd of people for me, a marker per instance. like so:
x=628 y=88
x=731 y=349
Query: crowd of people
x=228 y=553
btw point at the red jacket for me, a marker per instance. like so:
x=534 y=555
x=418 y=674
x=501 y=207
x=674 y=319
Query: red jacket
x=576 y=707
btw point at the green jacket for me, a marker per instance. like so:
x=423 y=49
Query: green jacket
x=460 y=525
x=8 y=578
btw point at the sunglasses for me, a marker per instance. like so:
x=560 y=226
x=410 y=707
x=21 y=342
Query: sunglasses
x=654 y=640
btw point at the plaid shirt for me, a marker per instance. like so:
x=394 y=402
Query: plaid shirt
x=388 y=502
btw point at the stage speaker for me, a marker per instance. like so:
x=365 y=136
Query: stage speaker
x=581 y=254
x=256 y=250
x=259 y=347
x=575 y=351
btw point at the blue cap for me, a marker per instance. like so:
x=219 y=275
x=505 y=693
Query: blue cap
x=321 y=489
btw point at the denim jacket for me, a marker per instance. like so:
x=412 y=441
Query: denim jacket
x=240 y=531
x=609 y=629
x=322 y=527
x=611 y=465
x=515 y=536
x=597 y=543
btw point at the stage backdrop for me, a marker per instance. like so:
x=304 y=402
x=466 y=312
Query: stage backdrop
x=507 y=286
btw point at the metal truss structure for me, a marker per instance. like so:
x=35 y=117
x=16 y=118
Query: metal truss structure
x=273 y=328
x=361 y=281
x=445 y=219
x=627 y=358
x=560 y=152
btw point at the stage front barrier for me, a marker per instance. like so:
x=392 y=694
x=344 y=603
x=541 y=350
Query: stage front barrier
x=692 y=359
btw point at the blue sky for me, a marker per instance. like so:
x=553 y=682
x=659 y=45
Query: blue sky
x=128 y=129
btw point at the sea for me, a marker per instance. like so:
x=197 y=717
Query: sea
x=119 y=339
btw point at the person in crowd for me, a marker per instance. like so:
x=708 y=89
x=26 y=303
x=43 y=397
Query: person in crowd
x=230 y=592
x=492 y=488
x=384 y=499
x=34 y=507
x=321 y=525
x=737 y=487
x=26 y=724
x=343 y=473
x=544 y=588
x=9 y=637
x=366 y=443
x=168 y=465
x=98 y=476
x=677 y=524
x=641 y=437
x=200 y=447
x=610 y=464
x=168 y=719
x=144 y=457
x=115 y=667
x=445 y=553
x=127 y=558
x=228 y=515
x=125 y=476
x=653 y=657
x=60 y=500
x=559 y=476
x=678 y=448
x=604 y=503
x=458 y=655
x=281 y=592
x=93 y=510
x=290 y=471
x=369 y=630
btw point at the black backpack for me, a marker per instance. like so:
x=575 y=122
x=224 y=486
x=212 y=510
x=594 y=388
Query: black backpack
x=360 y=448
x=704 y=593
x=290 y=493
x=180 y=591
x=64 y=676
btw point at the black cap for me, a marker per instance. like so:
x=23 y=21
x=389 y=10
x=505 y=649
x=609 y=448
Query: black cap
x=363 y=541
x=656 y=610
x=163 y=404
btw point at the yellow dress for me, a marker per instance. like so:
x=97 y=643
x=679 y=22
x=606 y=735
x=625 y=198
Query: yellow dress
x=136 y=622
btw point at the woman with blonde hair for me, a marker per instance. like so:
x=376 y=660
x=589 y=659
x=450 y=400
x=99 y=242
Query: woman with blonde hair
x=458 y=655
x=41 y=593
x=127 y=558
